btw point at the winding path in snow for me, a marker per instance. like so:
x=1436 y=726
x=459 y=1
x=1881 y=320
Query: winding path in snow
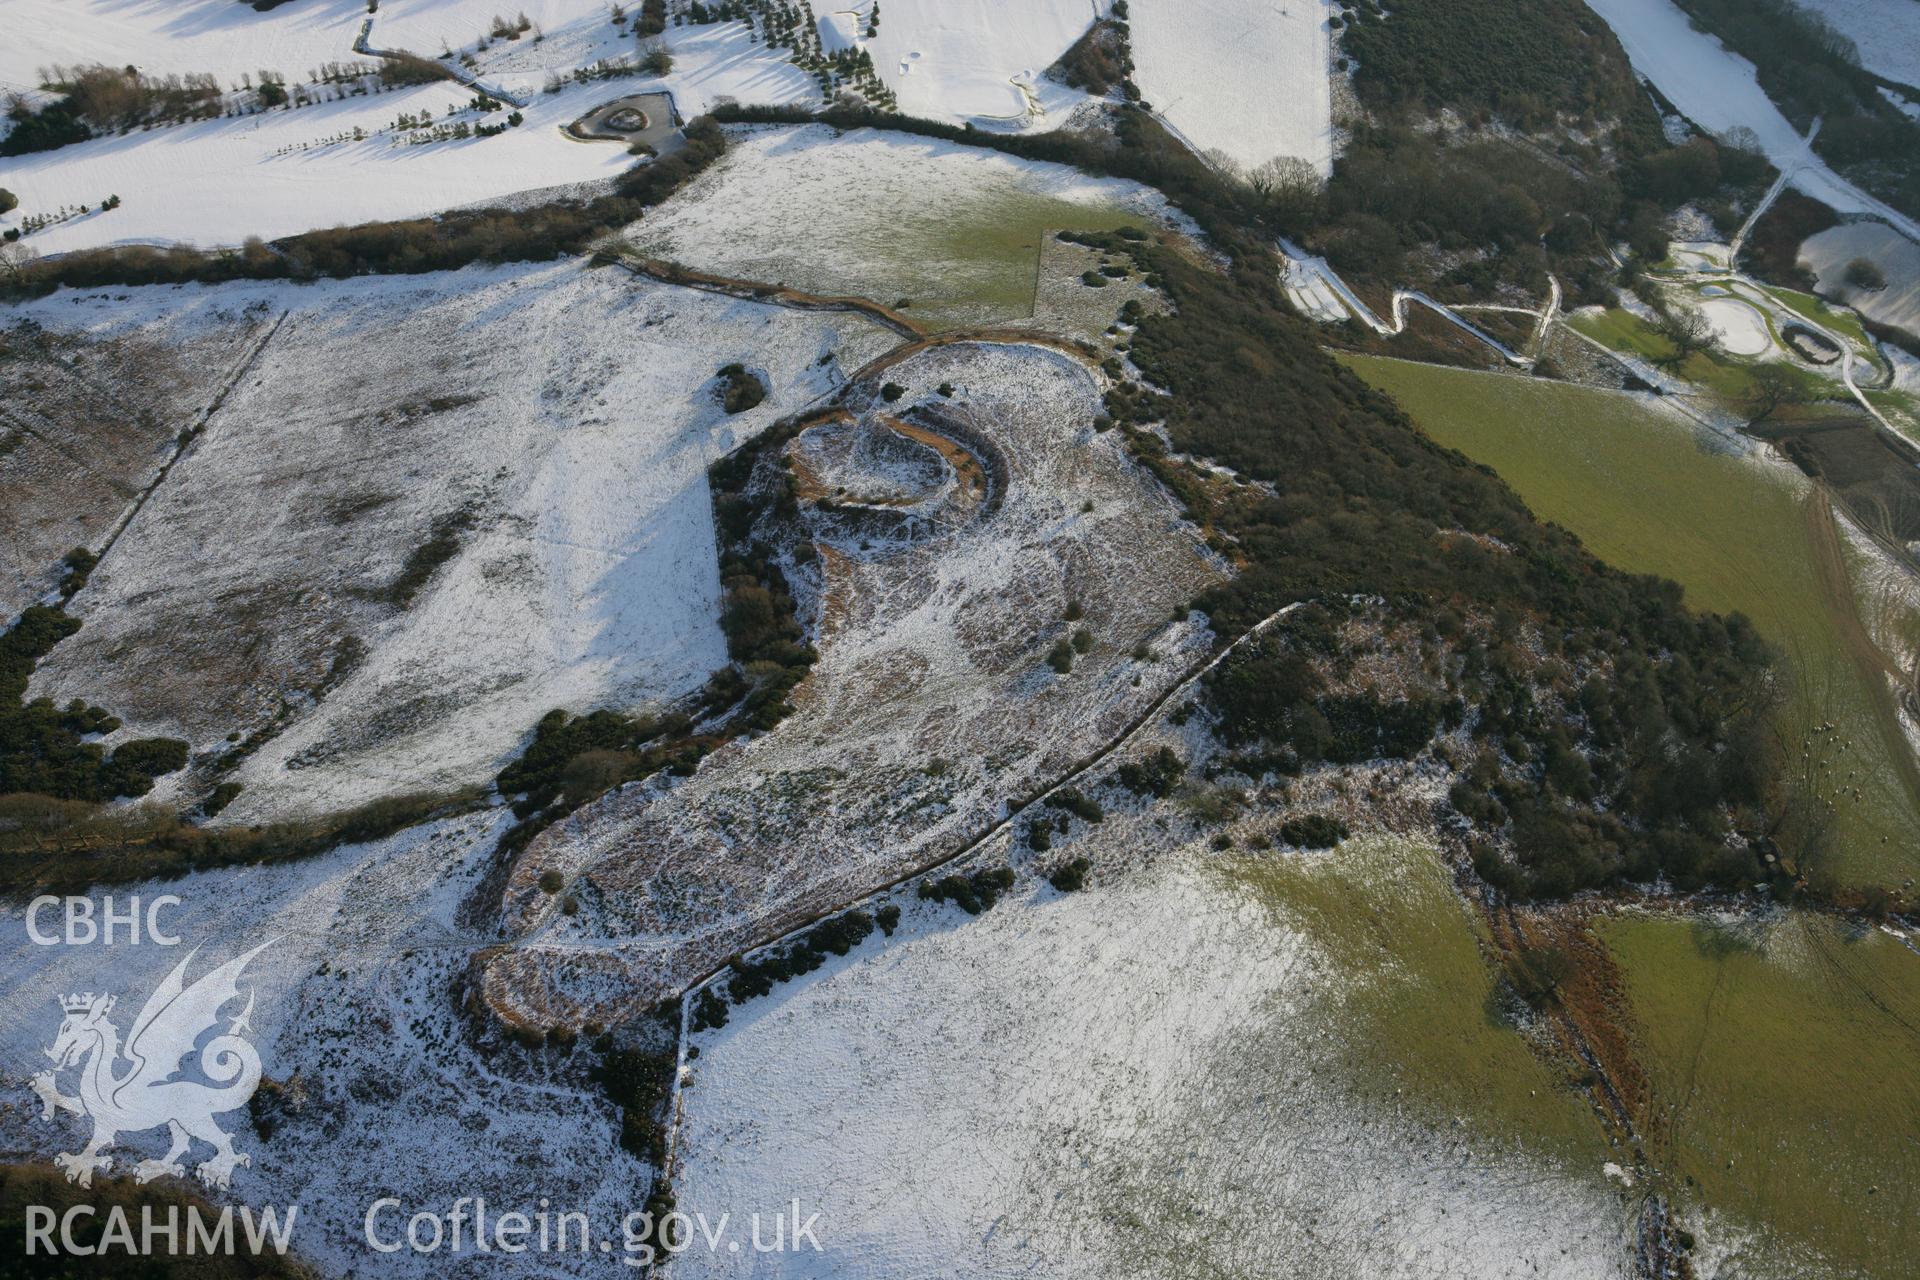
x=1303 y=271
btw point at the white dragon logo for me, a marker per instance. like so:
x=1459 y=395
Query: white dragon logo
x=150 y=1091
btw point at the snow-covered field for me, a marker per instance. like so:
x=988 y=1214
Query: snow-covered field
x=931 y=704
x=954 y=229
x=709 y=63
x=1248 y=78
x=966 y=59
x=228 y=37
x=1717 y=90
x=223 y=37
x=1887 y=33
x=355 y=1006
x=1140 y=1079
x=1898 y=258
x=566 y=414
x=280 y=172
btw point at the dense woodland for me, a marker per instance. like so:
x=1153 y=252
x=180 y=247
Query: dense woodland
x=1664 y=708
x=1529 y=62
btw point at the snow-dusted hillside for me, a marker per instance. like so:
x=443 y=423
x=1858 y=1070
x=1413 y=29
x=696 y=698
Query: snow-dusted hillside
x=557 y=420
x=352 y=1011
x=1248 y=78
x=1140 y=1079
x=966 y=59
x=86 y=425
x=932 y=702
x=954 y=229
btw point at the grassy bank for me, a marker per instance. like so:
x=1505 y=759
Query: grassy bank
x=1423 y=1024
x=1780 y=1058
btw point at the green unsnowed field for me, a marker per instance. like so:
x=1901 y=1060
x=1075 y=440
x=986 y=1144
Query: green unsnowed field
x=1649 y=492
x=1423 y=1026
x=954 y=235
x=1725 y=376
x=1782 y=1062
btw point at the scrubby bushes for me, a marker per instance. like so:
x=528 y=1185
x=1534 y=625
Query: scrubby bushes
x=441 y=545
x=43 y=748
x=1098 y=61
x=1155 y=776
x=91 y=1213
x=575 y=758
x=99 y=99
x=1071 y=877
x=1360 y=499
x=1313 y=831
x=65 y=846
x=639 y=1082
x=1525 y=58
x=1865 y=273
x=972 y=894
x=1081 y=806
x=740 y=390
x=838 y=936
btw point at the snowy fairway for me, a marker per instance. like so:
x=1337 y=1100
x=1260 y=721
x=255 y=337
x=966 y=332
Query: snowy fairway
x=1887 y=33
x=219 y=181
x=1249 y=78
x=278 y=173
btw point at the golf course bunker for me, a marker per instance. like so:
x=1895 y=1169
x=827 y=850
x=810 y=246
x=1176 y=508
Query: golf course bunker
x=1742 y=330
x=1815 y=348
x=639 y=117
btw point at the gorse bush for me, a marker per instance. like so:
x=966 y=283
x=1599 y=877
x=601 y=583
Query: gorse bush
x=1155 y=776
x=740 y=390
x=43 y=748
x=1071 y=877
x=972 y=894
x=838 y=936
x=1313 y=831
x=66 y=846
